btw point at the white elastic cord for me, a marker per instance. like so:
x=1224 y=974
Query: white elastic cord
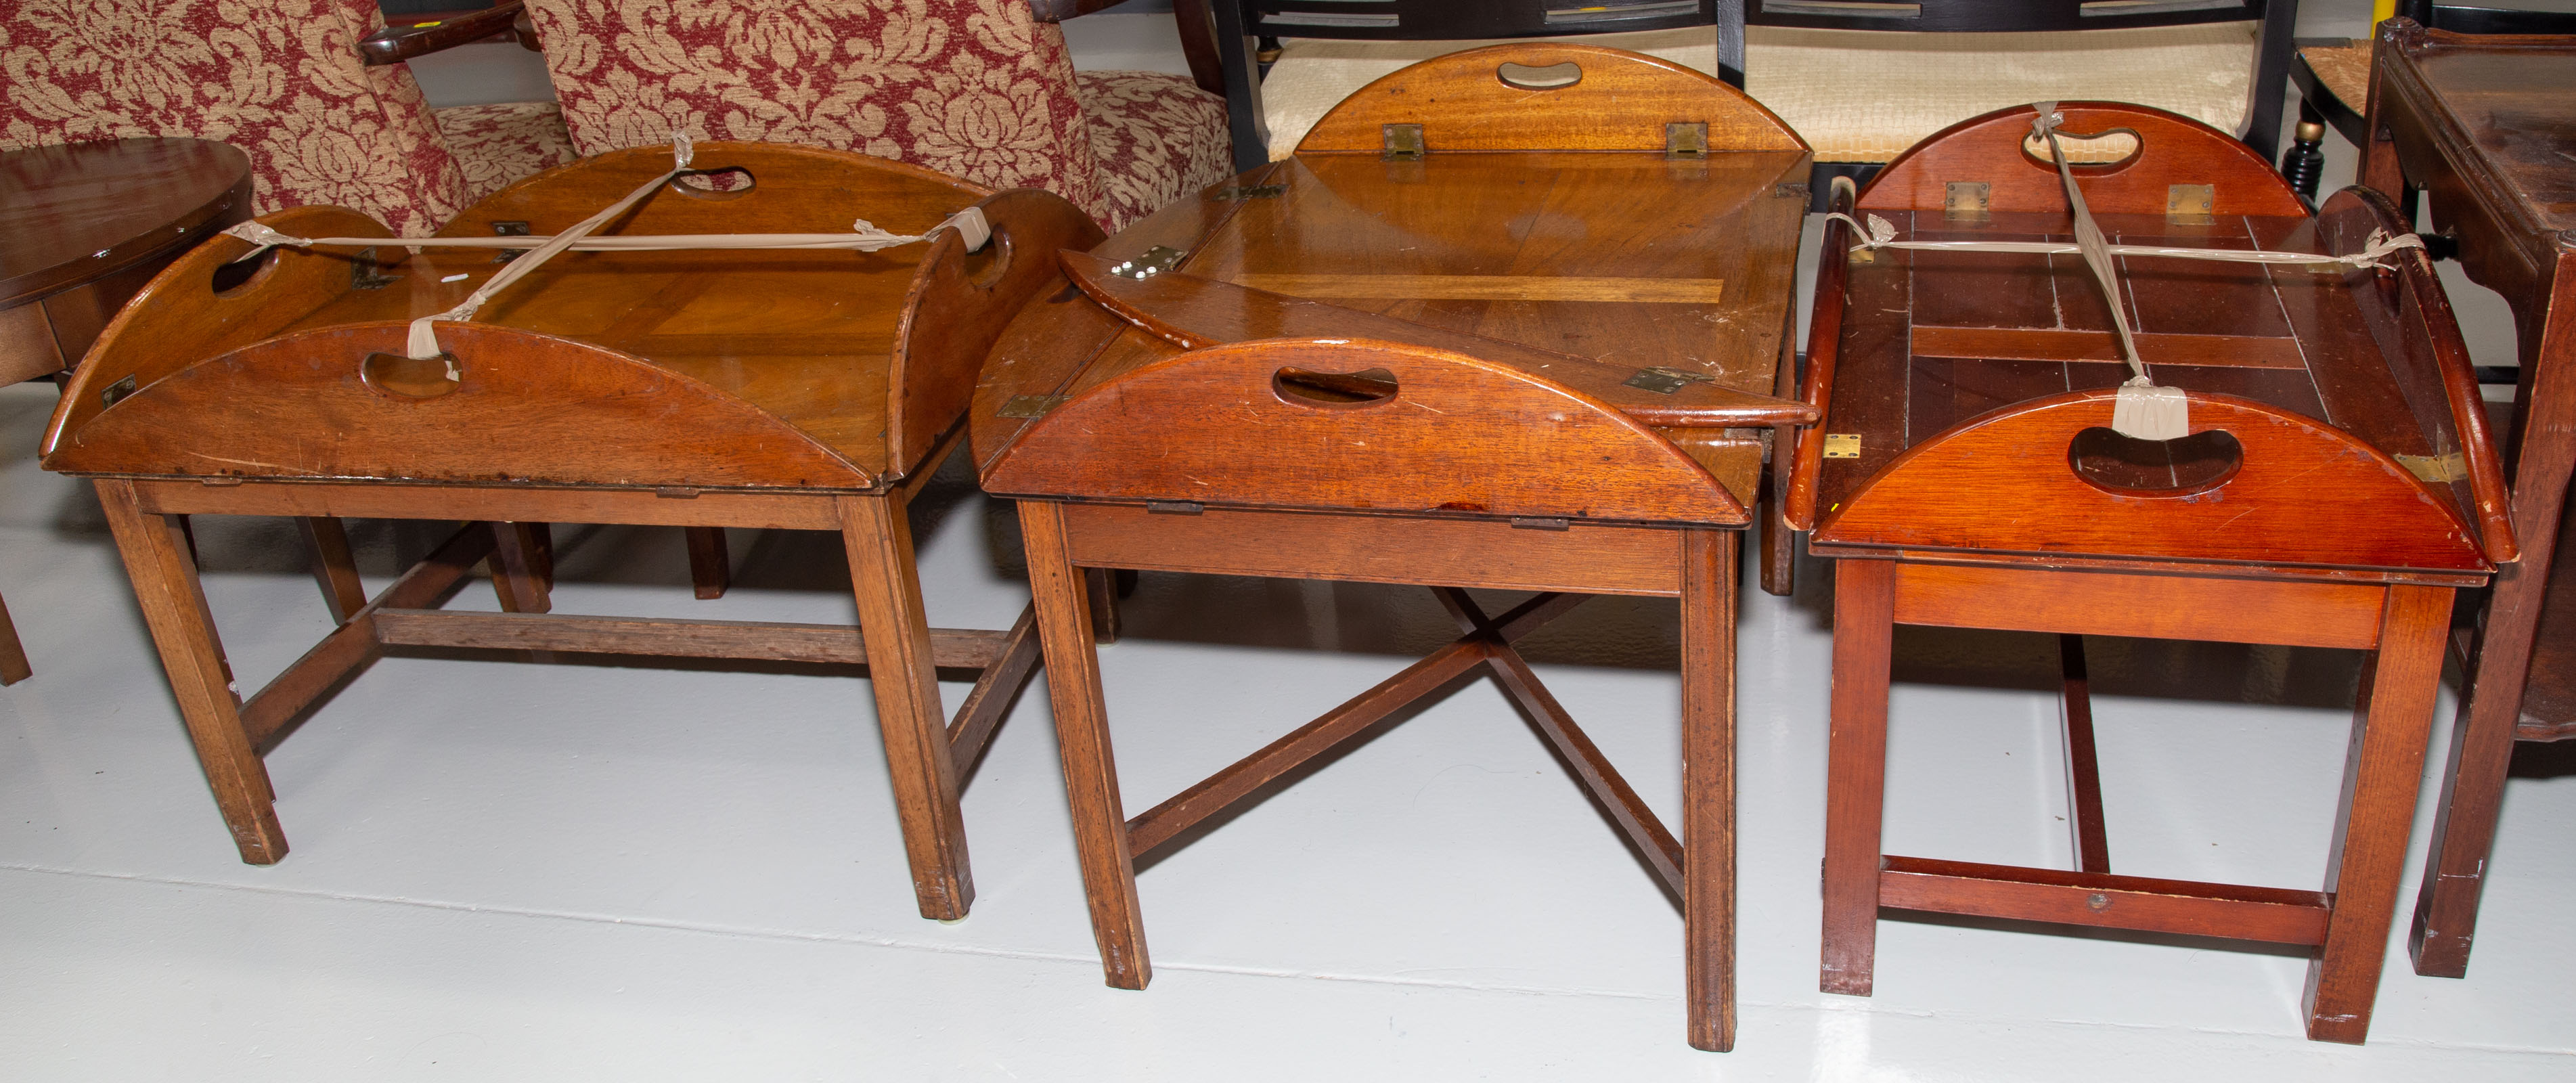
x=1880 y=233
x=863 y=237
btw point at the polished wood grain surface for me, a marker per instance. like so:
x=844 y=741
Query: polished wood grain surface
x=1536 y=355
x=77 y=212
x=699 y=389
x=2335 y=482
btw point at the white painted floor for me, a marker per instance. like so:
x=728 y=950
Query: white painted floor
x=515 y=871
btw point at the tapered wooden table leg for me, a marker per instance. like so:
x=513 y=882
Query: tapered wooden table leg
x=1082 y=734
x=710 y=565
x=515 y=569
x=915 y=728
x=1708 y=784
x=2392 y=718
x=13 y=655
x=174 y=607
x=1856 y=771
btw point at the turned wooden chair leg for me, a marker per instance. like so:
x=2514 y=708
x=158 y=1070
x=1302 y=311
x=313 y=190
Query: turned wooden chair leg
x=1082 y=735
x=2392 y=717
x=155 y=551
x=1708 y=785
x=335 y=566
x=710 y=565
x=2083 y=765
x=13 y=655
x=896 y=632
x=1856 y=771
x=515 y=571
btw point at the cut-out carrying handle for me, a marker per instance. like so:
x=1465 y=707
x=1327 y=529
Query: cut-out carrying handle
x=2172 y=149
x=1451 y=433
x=2305 y=493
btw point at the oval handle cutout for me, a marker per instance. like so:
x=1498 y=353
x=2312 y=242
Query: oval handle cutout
x=232 y=276
x=983 y=268
x=1552 y=77
x=396 y=376
x=1333 y=390
x=2103 y=150
x=722 y=182
x=2128 y=466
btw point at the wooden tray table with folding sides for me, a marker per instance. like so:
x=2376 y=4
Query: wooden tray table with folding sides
x=2331 y=486
x=700 y=388
x=1473 y=335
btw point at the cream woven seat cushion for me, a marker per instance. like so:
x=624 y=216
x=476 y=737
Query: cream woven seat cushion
x=1314 y=74
x=1865 y=96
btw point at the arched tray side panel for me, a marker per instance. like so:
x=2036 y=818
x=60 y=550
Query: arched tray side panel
x=179 y=319
x=2306 y=494
x=2173 y=149
x=958 y=306
x=1459 y=434
x=794 y=190
x=529 y=409
x=1622 y=102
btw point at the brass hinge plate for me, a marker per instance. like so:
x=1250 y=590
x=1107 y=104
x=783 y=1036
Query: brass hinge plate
x=1403 y=141
x=2438 y=469
x=1688 y=140
x=1842 y=445
x=1250 y=191
x=2190 y=204
x=1156 y=260
x=1967 y=200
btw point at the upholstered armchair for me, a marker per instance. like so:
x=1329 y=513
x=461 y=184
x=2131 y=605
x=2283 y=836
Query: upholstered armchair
x=281 y=80
x=982 y=89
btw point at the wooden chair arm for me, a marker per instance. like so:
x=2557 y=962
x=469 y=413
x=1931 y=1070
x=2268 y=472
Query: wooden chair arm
x=395 y=44
x=1056 y=11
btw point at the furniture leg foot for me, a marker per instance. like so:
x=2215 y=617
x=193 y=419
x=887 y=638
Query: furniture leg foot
x=915 y=728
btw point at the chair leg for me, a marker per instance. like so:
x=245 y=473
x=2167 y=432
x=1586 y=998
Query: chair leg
x=13 y=655
x=515 y=570
x=1082 y=735
x=2392 y=718
x=2083 y=767
x=2305 y=161
x=710 y=565
x=1856 y=771
x=896 y=632
x=1708 y=785
x=335 y=567
x=155 y=551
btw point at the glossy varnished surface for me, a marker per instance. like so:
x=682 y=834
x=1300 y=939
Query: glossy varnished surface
x=77 y=212
x=2518 y=105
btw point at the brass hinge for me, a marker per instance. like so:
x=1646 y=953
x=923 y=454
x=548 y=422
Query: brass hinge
x=509 y=228
x=116 y=392
x=2190 y=204
x=2438 y=469
x=1403 y=141
x=1967 y=200
x=1156 y=260
x=1842 y=445
x=365 y=274
x=1250 y=191
x=1686 y=140
x=1174 y=507
x=1797 y=191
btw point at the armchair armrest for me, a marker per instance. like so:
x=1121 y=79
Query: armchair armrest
x=1197 y=25
x=395 y=44
x=1056 y=11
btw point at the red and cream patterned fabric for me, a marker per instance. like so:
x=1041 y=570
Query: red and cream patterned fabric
x=975 y=88
x=500 y=143
x=1154 y=137
x=279 y=79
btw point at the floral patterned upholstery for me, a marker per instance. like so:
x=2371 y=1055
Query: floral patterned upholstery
x=279 y=79
x=499 y=143
x=974 y=88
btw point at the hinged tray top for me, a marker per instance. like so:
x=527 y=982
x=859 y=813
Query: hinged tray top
x=1963 y=383
x=708 y=368
x=1576 y=233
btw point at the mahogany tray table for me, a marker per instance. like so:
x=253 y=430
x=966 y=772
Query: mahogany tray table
x=82 y=227
x=2485 y=126
x=1481 y=331
x=2336 y=484
x=809 y=390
